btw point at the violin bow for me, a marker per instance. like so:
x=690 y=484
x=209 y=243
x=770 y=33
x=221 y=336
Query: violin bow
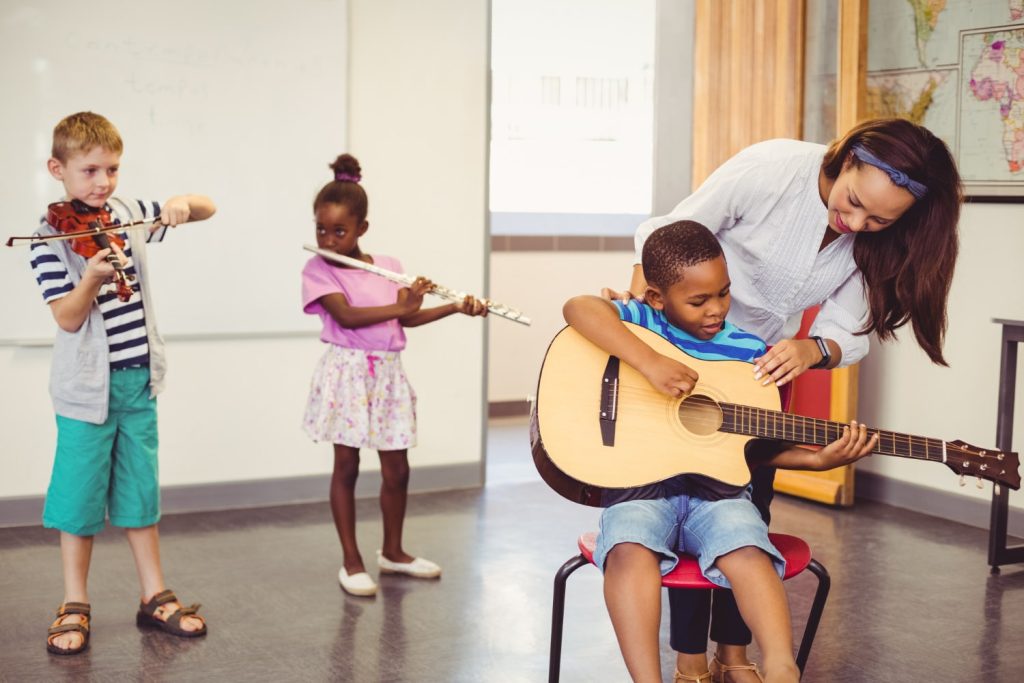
x=494 y=307
x=31 y=239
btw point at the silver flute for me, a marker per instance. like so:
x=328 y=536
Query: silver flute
x=407 y=280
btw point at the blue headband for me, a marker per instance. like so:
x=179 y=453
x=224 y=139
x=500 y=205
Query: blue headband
x=898 y=177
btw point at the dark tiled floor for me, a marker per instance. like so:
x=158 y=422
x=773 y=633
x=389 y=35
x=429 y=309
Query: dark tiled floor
x=912 y=599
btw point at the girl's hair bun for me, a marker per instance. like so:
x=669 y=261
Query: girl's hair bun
x=346 y=168
x=344 y=188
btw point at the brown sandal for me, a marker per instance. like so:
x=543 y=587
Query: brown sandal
x=172 y=623
x=59 y=627
x=723 y=669
x=700 y=678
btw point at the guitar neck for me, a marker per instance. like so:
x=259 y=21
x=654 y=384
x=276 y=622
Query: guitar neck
x=773 y=424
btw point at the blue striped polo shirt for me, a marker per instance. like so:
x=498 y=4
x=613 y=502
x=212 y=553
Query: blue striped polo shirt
x=731 y=343
x=125 y=321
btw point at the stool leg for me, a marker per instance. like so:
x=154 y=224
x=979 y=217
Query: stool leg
x=558 y=612
x=817 y=607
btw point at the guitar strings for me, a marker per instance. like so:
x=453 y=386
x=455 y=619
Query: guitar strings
x=901 y=444
x=651 y=398
x=648 y=398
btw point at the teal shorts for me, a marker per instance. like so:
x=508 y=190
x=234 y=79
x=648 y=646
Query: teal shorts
x=110 y=467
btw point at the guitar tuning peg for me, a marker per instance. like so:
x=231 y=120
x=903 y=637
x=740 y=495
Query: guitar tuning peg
x=963 y=482
x=980 y=483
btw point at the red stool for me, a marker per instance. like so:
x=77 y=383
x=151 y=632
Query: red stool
x=687 y=575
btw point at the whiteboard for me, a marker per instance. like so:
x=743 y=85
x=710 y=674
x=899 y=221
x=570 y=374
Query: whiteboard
x=243 y=101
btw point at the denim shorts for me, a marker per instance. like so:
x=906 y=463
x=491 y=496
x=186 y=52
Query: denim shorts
x=687 y=524
x=110 y=467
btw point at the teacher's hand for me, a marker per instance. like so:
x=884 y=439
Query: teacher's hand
x=786 y=361
x=625 y=295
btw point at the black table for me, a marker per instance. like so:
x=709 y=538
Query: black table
x=998 y=553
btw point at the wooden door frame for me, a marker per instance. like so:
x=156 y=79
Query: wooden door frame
x=836 y=487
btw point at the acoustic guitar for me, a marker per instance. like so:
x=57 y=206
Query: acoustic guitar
x=598 y=425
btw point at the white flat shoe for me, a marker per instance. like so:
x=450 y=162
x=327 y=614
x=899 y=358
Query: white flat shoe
x=419 y=568
x=360 y=584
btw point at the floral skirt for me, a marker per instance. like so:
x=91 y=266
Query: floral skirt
x=361 y=399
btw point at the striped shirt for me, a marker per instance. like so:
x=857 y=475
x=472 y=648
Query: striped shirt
x=731 y=343
x=124 y=321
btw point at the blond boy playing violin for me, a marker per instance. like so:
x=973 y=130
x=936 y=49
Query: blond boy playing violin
x=108 y=366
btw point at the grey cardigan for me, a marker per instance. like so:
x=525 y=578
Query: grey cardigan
x=80 y=373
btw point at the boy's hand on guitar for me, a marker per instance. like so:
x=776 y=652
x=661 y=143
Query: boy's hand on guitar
x=669 y=376
x=854 y=444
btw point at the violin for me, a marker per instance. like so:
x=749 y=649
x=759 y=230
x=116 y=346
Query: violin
x=92 y=229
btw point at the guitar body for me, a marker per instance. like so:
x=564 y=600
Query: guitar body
x=654 y=437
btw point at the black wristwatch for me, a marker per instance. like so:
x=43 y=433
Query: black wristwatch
x=826 y=355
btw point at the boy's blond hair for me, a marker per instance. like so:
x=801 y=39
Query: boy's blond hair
x=82 y=132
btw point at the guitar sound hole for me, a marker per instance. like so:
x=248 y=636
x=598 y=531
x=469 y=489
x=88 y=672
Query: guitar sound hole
x=700 y=414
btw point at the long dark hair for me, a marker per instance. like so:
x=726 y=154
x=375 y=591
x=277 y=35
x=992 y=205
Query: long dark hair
x=345 y=188
x=908 y=267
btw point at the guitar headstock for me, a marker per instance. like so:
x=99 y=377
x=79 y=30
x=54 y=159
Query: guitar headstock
x=998 y=467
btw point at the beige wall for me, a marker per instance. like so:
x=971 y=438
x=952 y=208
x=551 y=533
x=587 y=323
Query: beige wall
x=418 y=120
x=538 y=283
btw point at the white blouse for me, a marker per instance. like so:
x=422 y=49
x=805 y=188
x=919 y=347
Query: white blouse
x=764 y=207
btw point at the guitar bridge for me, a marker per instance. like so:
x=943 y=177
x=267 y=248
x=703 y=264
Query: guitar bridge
x=609 y=400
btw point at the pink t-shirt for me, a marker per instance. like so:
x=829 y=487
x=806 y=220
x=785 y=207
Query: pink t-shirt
x=361 y=289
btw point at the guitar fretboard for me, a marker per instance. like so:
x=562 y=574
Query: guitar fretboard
x=772 y=424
